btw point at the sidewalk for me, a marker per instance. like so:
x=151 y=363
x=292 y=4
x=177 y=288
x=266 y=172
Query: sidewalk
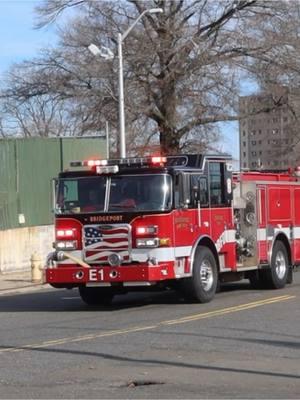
x=18 y=282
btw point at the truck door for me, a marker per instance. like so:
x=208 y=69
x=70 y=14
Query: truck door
x=200 y=205
x=184 y=219
x=221 y=220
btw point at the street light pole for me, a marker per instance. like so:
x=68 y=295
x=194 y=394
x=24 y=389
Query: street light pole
x=121 y=99
x=107 y=54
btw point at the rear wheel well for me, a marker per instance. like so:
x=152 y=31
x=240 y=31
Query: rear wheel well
x=282 y=238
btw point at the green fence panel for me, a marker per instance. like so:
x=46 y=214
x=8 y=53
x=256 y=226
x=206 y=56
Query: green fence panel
x=8 y=183
x=81 y=149
x=27 y=169
x=38 y=161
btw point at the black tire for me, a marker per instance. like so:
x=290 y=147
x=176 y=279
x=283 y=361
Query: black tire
x=96 y=296
x=202 y=285
x=277 y=275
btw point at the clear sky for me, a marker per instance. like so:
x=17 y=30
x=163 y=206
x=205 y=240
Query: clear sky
x=19 y=41
x=18 y=38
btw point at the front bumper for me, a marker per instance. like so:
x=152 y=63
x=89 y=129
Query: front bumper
x=128 y=275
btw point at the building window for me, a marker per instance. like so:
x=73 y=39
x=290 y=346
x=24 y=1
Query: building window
x=253 y=142
x=244 y=144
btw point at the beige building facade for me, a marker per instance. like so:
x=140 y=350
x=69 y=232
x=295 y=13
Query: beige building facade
x=268 y=130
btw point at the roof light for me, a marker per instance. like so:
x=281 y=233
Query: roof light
x=89 y=163
x=158 y=160
x=76 y=163
x=132 y=161
x=95 y=163
x=111 y=169
x=297 y=171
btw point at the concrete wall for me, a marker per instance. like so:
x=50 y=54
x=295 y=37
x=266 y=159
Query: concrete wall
x=17 y=246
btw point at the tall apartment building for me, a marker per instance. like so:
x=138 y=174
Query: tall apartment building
x=269 y=135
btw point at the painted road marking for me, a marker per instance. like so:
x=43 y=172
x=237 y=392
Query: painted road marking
x=182 y=320
x=228 y=310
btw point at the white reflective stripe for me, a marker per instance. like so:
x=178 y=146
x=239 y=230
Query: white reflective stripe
x=227 y=236
x=183 y=251
x=161 y=254
x=261 y=234
x=286 y=230
x=296 y=232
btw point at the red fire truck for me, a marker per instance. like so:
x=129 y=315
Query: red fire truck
x=186 y=222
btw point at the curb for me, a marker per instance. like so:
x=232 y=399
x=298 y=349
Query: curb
x=25 y=289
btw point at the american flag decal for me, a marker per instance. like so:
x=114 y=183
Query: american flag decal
x=102 y=240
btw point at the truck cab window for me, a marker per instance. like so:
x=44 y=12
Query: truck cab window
x=199 y=190
x=216 y=183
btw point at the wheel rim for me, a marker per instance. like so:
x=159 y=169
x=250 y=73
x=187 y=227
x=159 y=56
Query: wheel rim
x=280 y=265
x=206 y=275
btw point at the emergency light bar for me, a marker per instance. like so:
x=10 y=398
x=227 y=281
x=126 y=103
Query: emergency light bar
x=157 y=161
x=154 y=161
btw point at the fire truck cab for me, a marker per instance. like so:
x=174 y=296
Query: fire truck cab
x=184 y=222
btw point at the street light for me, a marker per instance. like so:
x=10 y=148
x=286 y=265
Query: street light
x=107 y=54
x=104 y=52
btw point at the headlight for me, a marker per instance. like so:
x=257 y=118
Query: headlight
x=66 y=245
x=147 y=242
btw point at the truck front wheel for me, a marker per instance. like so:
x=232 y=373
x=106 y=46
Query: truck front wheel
x=96 y=296
x=201 y=286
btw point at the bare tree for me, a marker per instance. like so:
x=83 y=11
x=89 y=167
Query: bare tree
x=182 y=67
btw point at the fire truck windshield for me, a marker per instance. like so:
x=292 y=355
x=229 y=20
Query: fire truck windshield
x=122 y=193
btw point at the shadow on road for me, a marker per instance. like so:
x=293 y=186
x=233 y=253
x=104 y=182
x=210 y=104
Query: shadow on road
x=69 y=300
x=135 y=361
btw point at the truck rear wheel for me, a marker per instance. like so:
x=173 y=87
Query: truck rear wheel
x=96 y=296
x=202 y=285
x=276 y=276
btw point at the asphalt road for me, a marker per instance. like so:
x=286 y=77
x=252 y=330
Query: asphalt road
x=244 y=344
